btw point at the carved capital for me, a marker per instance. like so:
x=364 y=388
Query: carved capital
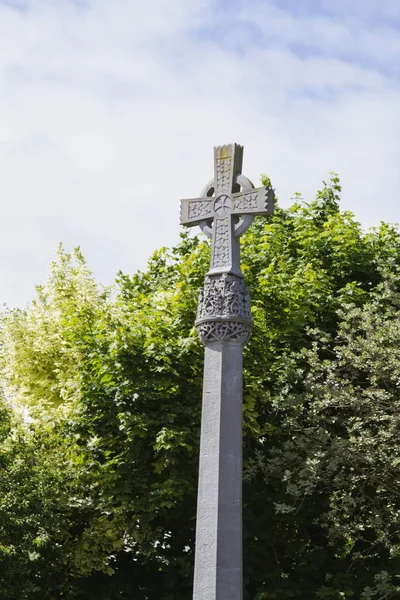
x=224 y=310
x=224 y=331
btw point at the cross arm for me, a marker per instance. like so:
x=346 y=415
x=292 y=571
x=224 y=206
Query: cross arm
x=195 y=210
x=259 y=201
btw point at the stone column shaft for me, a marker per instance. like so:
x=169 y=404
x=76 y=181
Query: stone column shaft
x=218 y=558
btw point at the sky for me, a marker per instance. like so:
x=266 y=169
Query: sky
x=109 y=112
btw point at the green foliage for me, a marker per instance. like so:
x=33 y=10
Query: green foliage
x=43 y=347
x=98 y=483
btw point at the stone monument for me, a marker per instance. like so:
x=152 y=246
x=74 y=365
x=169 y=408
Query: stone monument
x=224 y=210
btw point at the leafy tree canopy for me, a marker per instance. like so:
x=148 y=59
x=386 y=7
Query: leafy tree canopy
x=100 y=415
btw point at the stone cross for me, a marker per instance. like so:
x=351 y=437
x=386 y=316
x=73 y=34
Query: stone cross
x=222 y=206
x=225 y=209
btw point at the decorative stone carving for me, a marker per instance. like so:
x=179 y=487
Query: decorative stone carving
x=224 y=310
x=224 y=167
x=221 y=247
x=223 y=206
x=223 y=215
x=199 y=210
x=228 y=331
x=247 y=202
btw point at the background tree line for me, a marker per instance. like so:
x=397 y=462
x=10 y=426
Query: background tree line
x=100 y=413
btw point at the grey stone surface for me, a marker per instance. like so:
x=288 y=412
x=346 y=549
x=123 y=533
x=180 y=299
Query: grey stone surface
x=218 y=557
x=224 y=211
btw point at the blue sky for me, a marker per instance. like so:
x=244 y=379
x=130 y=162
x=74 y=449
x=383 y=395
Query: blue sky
x=109 y=112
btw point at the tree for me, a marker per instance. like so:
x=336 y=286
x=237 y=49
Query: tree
x=113 y=381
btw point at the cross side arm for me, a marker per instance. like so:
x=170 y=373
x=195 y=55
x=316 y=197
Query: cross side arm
x=195 y=210
x=259 y=201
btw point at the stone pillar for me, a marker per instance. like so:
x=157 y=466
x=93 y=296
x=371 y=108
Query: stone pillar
x=224 y=326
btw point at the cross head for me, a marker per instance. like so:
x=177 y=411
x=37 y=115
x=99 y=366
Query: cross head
x=226 y=208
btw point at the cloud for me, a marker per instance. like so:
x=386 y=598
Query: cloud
x=109 y=112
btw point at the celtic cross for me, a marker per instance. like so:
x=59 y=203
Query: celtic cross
x=226 y=208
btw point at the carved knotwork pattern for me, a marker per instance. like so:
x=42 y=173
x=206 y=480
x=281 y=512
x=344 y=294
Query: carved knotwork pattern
x=224 y=296
x=221 y=245
x=224 y=310
x=224 y=166
x=247 y=201
x=198 y=209
x=225 y=331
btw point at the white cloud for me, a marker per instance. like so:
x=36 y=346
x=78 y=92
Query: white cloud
x=109 y=112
